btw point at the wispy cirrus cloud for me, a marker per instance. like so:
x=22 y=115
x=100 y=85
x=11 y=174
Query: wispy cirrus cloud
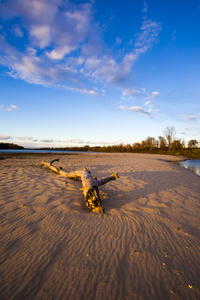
x=190 y=118
x=25 y=138
x=173 y=35
x=151 y=95
x=137 y=109
x=28 y=141
x=182 y=133
x=147 y=36
x=144 y=40
x=47 y=141
x=149 y=100
x=131 y=93
x=145 y=7
x=70 y=142
x=64 y=47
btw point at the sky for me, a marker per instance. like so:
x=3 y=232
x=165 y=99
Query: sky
x=98 y=72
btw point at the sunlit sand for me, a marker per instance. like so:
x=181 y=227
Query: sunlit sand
x=145 y=246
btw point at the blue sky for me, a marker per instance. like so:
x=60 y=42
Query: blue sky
x=98 y=72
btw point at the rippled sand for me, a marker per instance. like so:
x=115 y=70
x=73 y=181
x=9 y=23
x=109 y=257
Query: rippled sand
x=145 y=246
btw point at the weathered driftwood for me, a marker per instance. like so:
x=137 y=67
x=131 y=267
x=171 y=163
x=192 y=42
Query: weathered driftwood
x=90 y=184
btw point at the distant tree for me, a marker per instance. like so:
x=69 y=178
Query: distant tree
x=162 y=142
x=128 y=148
x=86 y=148
x=183 y=143
x=177 y=145
x=156 y=143
x=192 y=144
x=136 y=146
x=169 y=133
x=10 y=146
x=120 y=148
x=148 y=144
x=143 y=145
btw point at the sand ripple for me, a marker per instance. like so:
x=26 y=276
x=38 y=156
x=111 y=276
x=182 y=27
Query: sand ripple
x=146 y=245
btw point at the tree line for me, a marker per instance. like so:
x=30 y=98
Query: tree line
x=166 y=144
x=10 y=146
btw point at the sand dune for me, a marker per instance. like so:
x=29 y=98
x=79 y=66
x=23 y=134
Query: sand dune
x=145 y=246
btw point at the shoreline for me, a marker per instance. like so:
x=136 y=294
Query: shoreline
x=145 y=246
x=91 y=153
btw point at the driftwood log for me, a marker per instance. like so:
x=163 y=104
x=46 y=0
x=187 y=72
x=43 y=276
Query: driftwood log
x=90 y=184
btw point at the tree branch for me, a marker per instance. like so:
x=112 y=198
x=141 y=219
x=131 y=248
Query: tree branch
x=90 y=184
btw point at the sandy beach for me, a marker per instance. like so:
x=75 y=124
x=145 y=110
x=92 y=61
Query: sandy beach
x=145 y=246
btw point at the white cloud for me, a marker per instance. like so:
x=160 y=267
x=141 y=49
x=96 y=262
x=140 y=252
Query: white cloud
x=65 y=46
x=70 y=30
x=17 y=31
x=145 y=40
x=190 y=118
x=60 y=52
x=81 y=90
x=138 y=109
x=102 y=143
x=151 y=101
x=25 y=138
x=42 y=34
x=118 y=41
x=145 y=7
x=141 y=95
x=151 y=95
x=63 y=34
x=86 y=142
x=174 y=35
x=11 y=107
x=47 y=141
x=131 y=92
x=5 y=137
x=148 y=35
x=30 y=11
x=33 y=142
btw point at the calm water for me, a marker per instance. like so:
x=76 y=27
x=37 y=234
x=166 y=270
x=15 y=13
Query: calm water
x=193 y=165
x=12 y=151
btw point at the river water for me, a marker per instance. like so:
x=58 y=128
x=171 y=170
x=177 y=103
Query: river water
x=192 y=164
x=34 y=151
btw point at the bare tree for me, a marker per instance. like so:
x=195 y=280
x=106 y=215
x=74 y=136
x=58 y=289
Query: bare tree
x=169 y=133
